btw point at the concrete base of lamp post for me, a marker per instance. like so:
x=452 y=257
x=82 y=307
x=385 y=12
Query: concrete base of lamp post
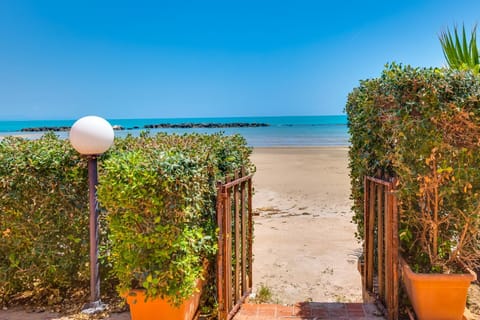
x=94 y=307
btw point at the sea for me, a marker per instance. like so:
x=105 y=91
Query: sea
x=283 y=131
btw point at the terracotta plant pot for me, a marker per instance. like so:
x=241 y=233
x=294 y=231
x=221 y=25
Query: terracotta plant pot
x=437 y=296
x=160 y=309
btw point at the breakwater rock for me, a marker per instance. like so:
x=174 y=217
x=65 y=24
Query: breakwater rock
x=162 y=126
x=59 y=129
x=205 y=125
x=42 y=129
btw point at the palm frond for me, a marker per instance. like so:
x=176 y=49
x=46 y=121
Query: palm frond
x=460 y=53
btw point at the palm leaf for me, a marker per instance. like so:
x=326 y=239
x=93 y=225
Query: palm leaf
x=466 y=46
x=474 y=50
x=458 y=47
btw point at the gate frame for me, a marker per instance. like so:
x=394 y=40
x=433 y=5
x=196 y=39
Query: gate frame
x=232 y=295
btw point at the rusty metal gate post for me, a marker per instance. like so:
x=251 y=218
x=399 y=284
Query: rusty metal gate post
x=381 y=218
x=221 y=196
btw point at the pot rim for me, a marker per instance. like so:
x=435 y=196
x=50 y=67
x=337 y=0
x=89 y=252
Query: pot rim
x=406 y=269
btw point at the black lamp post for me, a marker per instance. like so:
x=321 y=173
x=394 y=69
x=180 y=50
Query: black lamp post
x=92 y=136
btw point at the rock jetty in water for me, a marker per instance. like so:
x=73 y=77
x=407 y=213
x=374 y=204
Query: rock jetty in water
x=42 y=129
x=162 y=126
x=204 y=125
x=59 y=129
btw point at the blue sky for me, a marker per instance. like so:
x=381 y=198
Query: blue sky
x=163 y=59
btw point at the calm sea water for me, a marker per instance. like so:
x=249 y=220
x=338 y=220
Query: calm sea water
x=283 y=131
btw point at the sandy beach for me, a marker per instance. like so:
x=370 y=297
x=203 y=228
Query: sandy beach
x=304 y=246
x=304 y=242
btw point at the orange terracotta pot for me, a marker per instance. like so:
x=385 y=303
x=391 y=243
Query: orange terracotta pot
x=160 y=309
x=437 y=296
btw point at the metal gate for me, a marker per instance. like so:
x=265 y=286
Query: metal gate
x=381 y=244
x=234 y=260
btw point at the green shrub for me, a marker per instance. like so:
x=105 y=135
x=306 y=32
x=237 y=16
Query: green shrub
x=422 y=126
x=156 y=212
x=223 y=155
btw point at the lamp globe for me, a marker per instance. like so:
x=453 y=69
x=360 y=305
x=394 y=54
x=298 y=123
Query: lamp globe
x=91 y=135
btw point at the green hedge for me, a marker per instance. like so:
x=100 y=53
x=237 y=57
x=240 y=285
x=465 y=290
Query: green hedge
x=43 y=219
x=44 y=251
x=422 y=126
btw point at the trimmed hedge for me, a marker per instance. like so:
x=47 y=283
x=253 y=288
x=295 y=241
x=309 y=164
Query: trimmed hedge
x=44 y=253
x=422 y=126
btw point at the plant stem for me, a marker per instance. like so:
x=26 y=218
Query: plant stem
x=435 y=213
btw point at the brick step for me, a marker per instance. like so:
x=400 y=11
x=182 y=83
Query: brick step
x=309 y=310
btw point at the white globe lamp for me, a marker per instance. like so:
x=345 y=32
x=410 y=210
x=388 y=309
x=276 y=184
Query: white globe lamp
x=91 y=135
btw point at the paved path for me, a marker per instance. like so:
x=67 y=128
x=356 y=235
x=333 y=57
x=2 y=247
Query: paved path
x=304 y=311
x=309 y=311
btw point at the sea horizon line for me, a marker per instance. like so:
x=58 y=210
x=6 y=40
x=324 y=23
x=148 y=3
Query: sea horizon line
x=175 y=118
